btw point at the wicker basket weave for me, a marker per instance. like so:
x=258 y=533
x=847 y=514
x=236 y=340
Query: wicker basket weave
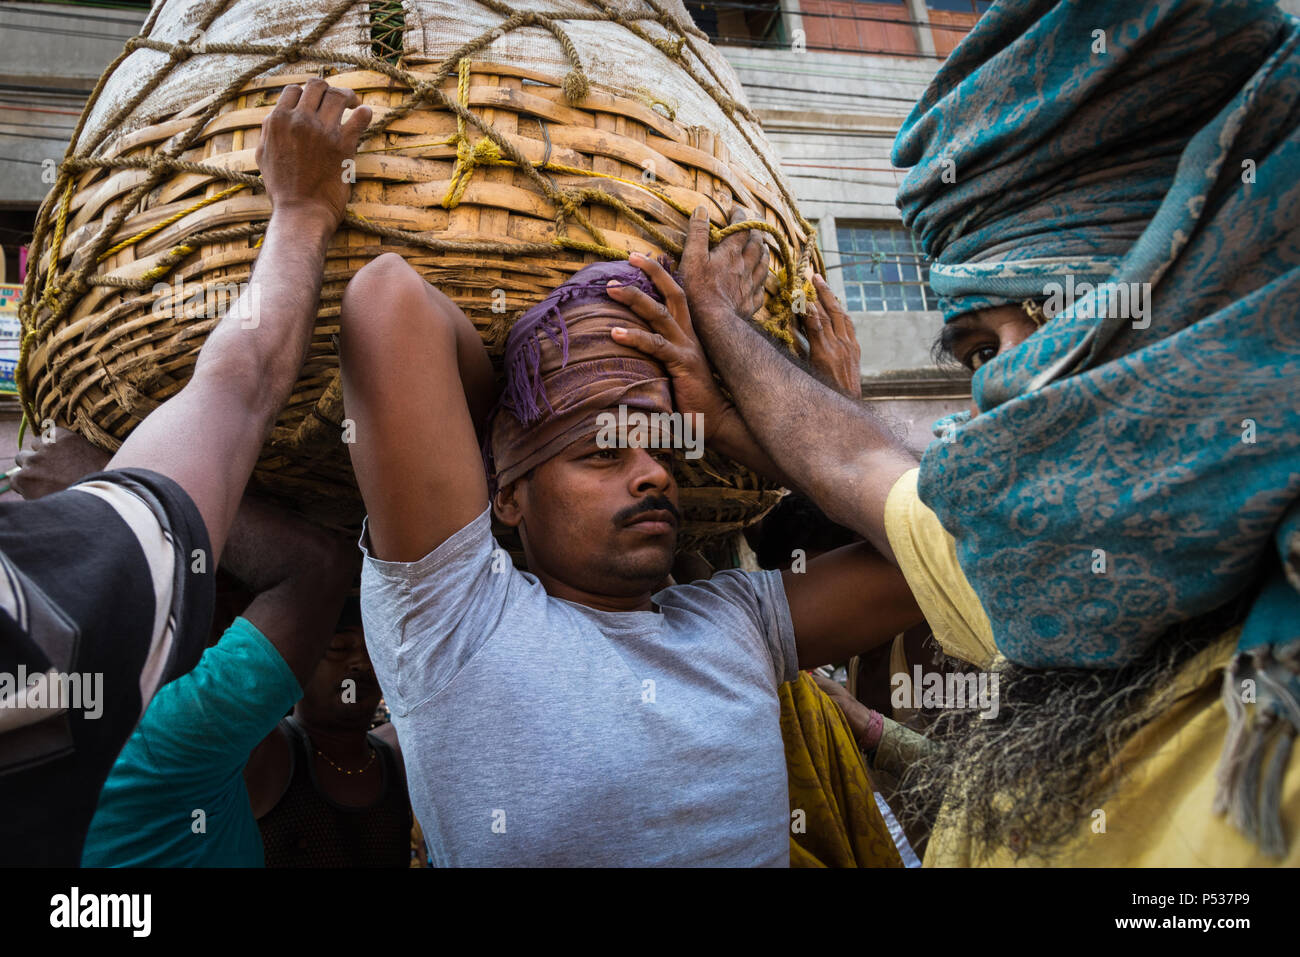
x=148 y=234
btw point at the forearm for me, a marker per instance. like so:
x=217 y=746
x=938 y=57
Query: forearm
x=832 y=448
x=847 y=602
x=734 y=440
x=242 y=378
x=268 y=546
x=259 y=345
x=300 y=575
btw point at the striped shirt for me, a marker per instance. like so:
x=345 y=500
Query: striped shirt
x=106 y=593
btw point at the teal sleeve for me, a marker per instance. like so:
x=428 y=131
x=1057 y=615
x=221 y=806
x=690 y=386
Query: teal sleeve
x=217 y=713
x=188 y=753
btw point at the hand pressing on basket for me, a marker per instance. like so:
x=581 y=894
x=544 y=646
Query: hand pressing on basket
x=49 y=467
x=673 y=343
x=207 y=437
x=304 y=149
x=833 y=349
x=843 y=457
x=728 y=279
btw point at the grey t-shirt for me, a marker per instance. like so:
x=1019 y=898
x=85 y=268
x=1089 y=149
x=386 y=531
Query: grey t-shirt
x=541 y=732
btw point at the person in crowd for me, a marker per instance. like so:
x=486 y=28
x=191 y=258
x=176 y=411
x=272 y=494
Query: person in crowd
x=215 y=774
x=1113 y=529
x=315 y=788
x=326 y=790
x=642 y=724
x=112 y=599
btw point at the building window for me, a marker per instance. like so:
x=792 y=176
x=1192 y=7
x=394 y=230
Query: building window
x=884 y=269
x=951 y=20
x=960 y=6
x=858 y=27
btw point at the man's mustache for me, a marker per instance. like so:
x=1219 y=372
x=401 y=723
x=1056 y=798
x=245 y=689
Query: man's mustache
x=653 y=503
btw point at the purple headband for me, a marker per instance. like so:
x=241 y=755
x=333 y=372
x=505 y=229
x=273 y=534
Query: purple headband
x=523 y=346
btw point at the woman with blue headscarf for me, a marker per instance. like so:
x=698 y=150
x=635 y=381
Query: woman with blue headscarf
x=1110 y=194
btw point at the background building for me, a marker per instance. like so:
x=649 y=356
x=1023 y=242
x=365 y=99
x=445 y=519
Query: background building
x=832 y=81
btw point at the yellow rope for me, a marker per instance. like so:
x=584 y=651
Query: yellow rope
x=484 y=152
x=146 y=233
x=51 y=290
x=173 y=255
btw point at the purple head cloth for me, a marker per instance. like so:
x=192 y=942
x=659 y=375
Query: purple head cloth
x=523 y=348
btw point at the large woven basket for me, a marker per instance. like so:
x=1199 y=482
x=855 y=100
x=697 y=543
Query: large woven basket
x=496 y=180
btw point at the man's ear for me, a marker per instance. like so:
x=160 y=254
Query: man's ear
x=505 y=505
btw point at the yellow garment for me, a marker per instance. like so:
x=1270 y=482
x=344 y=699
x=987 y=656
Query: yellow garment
x=898 y=665
x=927 y=556
x=840 y=824
x=1161 y=814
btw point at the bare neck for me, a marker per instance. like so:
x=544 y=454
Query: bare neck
x=559 y=589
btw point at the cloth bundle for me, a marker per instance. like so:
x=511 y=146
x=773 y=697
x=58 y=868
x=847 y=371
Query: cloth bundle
x=840 y=823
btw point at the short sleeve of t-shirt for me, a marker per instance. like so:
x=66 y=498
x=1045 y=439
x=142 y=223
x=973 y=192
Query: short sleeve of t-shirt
x=927 y=556
x=189 y=753
x=106 y=593
x=760 y=598
x=425 y=619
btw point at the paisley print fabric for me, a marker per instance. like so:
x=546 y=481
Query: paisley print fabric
x=1122 y=476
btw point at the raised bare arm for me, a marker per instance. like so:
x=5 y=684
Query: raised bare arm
x=833 y=448
x=416 y=380
x=300 y=576
x=207 y=437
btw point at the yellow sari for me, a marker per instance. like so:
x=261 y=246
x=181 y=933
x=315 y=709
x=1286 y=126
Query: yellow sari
x=834 y=820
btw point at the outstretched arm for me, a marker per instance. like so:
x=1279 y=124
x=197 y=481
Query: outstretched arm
x=833 y=448
x=300 y=575
x=847 y=602
x=416 y=380
x=208 y=436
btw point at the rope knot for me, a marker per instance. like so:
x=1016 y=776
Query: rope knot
x=671 y=48
x=485 y=151
x=576 y=86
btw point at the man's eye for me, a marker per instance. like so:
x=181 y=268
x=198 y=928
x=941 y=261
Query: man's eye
x=980 y=356
x=605 y=454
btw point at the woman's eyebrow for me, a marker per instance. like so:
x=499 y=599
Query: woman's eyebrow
x=953 y=335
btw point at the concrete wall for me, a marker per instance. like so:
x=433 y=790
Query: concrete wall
x=50 y=57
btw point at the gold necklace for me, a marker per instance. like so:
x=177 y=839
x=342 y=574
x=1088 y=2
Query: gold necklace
x=361 y=770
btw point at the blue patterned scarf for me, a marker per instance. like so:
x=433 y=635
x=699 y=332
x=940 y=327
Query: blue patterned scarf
x=1126 y=477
